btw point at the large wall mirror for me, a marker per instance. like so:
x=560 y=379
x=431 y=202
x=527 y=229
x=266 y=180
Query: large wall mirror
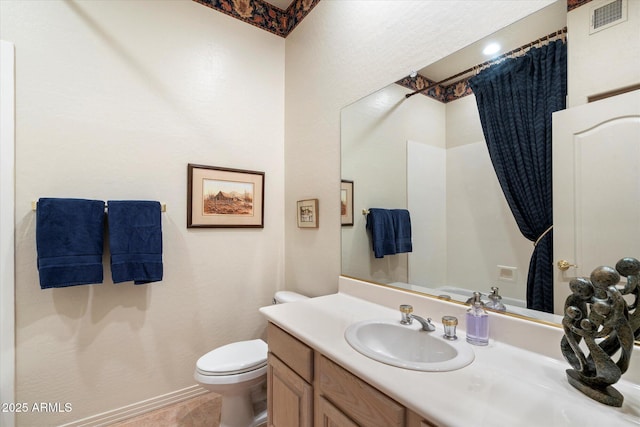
x=429 y=156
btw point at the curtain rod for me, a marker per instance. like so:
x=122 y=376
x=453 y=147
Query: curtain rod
x=511 y=54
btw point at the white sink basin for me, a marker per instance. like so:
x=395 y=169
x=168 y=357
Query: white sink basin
x=406 y=346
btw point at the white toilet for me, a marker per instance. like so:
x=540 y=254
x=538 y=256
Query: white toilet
x=237 y=371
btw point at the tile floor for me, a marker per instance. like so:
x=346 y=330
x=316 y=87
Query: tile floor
x=201 y=411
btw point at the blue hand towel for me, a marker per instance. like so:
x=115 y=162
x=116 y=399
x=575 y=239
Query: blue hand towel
x=69 y=241
x=380 y=224
x=135 y=240
x=402 y=228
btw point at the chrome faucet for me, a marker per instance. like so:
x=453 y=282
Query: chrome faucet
x=477 y=296
x=408 y=317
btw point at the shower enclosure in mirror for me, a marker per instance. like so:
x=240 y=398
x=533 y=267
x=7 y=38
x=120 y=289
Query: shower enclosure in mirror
x=430 y=157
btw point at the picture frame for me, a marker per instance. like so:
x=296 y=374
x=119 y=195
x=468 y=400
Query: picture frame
x=346 y=202
x=307 y=213
x=219 y=197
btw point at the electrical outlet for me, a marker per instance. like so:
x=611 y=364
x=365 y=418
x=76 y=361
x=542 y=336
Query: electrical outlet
x=507 y=273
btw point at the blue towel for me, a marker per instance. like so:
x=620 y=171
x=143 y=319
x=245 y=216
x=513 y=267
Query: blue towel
x=380 y=224
x=69 y=241
x=390 y=231
x=135 y=240
x=402 y=229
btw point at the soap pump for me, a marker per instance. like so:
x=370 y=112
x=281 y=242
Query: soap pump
x=477 y=322
x=495 y=300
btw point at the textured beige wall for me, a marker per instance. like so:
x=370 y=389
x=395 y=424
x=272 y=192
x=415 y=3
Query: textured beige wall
x=113 y=99
x=341 y=52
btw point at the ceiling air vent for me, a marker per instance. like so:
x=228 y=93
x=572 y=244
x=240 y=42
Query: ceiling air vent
x=607 y=15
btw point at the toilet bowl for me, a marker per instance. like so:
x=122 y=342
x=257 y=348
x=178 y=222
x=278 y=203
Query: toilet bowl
x=238 y=372
x=233 y=370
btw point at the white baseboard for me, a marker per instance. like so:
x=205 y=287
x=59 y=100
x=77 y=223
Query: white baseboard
x=139 y=408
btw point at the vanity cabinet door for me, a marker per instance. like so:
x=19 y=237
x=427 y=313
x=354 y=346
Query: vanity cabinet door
x=415 y=420
x=362 y=403
x=289 y=397
x=328 y=415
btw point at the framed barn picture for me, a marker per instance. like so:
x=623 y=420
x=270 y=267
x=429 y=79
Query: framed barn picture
x=223 y=197
x=346 y=202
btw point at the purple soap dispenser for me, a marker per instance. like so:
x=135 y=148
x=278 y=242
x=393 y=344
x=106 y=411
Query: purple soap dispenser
x=477 y=322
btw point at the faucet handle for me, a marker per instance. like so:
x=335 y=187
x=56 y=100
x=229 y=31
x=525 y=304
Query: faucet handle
x=406 y=311
x=450 y=323
x=430 y=326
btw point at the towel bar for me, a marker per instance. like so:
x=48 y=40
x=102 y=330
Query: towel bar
x=34 y=206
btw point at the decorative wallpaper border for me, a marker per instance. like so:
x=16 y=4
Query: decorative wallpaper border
x=264 y=15
x=440 y=93
x=572 y=4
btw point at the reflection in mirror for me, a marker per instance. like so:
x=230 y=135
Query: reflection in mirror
x=430 y=157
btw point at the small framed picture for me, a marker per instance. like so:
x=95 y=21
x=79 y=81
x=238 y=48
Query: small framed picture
x=346 y=202
x=308 y=213
x=223 y=197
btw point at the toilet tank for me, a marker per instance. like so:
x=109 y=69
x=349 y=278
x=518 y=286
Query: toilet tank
x=282 y=297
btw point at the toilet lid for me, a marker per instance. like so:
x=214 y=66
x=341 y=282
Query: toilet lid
x=241 y=356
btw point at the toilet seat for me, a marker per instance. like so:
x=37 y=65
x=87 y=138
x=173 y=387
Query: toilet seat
x=235 y=358
x=258 y=374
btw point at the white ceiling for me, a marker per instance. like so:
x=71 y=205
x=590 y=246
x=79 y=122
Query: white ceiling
x=281 y=4
x=528 y=29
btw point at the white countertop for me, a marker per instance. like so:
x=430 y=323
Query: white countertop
x=504 y=386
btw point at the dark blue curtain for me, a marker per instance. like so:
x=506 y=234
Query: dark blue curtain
x=516 y=99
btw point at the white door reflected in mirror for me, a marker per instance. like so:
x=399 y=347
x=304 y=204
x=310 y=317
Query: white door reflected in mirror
x=596 y=187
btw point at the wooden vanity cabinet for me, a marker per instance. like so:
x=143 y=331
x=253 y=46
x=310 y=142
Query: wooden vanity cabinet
x=355 y=398
x=327 y=415
x=289 y=378
x=290 y=398
x=415 y=420
x=305 y=388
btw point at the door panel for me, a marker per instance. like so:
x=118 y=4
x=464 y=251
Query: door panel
x=596 y=187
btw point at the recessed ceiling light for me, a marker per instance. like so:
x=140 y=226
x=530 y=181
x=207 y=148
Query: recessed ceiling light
x=491 y=48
